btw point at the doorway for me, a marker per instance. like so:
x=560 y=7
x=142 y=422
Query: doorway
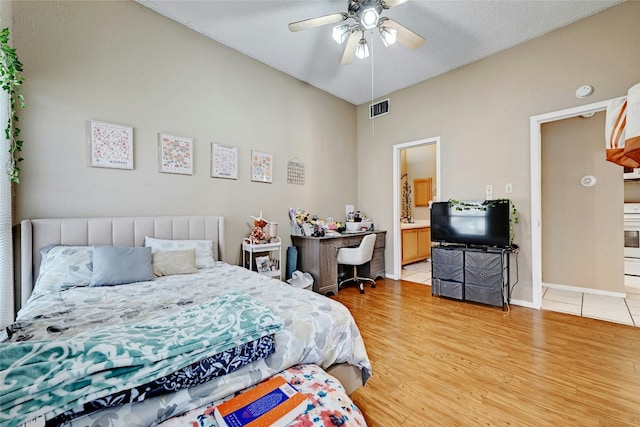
x=397 y=194
x=536 y=123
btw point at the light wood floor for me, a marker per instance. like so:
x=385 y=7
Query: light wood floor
x=439 y=362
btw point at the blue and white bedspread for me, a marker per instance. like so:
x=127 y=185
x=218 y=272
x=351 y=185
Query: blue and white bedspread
x=80 y=320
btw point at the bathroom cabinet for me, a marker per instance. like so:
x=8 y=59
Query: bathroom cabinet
x=416 y=244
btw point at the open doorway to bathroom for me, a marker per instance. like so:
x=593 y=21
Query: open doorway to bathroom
x=416 y=175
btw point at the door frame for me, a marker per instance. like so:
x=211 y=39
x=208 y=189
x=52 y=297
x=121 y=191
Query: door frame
x=535 y=126
x=397 y=243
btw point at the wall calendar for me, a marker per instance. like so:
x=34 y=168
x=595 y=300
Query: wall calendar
x=295 y=172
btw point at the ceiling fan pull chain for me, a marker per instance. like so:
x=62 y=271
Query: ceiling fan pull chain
x=373 y=120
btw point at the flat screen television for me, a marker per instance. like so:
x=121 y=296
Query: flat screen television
x=471 y=223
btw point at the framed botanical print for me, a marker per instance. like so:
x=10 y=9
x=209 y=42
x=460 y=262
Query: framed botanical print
x=224 y=161
x=261 y=167
x=175 y=154
x=110 y=145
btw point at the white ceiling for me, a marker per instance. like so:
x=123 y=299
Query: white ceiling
x=456 y=32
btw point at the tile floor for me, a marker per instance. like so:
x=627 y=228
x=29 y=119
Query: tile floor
x=418 y=272
x=603 y=307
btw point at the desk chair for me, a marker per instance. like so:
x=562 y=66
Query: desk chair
x=359 y=255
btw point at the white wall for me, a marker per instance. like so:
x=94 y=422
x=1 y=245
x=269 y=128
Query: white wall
x=481 y=113
x=123 y=63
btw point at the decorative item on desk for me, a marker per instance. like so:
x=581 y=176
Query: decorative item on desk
x=298 y=217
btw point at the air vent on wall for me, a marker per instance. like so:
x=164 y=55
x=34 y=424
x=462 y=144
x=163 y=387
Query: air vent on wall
x=379 y=109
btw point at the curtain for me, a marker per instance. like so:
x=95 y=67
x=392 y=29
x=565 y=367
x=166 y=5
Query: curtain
x=6 y=239
x=622 y=129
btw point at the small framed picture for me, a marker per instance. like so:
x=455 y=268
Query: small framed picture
x=111 y=145
x=263 y=264
x=176 y=154
x=224 y=161
x=261 y=167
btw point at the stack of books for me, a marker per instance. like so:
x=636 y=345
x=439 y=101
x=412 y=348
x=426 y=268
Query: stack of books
x=274 y=402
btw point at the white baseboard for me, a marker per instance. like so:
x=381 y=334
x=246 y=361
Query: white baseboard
x=522 y=303
x=585 y=290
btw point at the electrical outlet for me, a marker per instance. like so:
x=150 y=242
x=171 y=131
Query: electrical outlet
x=508 y=188
x=489 y=192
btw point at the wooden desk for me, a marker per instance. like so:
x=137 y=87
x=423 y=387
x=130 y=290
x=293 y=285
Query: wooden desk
x=317 y=256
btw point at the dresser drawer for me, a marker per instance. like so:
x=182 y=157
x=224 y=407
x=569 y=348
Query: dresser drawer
x=447 y=272
x=483 y=260
x=484 y=295
x=447 y=288
x=482 y=277
x=447 y=256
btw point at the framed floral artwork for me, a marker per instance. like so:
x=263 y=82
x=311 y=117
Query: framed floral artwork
x=176 y=154
x=224 y=161
x=261 y=167
x=110 y=145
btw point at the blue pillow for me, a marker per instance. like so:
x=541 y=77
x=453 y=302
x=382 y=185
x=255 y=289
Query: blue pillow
x=116 y=265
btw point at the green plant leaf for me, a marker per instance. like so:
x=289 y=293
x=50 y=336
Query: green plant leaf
x=11 y=81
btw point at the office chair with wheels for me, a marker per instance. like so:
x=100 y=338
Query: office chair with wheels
x=359 y=255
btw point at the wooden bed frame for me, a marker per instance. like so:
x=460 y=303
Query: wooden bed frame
x=36 y=234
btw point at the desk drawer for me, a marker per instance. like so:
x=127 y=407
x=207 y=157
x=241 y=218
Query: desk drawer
x=349 y=241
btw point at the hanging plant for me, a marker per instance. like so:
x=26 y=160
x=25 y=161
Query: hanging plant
x=11 y=81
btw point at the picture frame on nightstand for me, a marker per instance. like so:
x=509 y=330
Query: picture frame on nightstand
x=263 y=264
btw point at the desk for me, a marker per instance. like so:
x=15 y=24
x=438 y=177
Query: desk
x=317 y=256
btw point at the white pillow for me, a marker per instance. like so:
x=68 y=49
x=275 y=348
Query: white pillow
x=203 y=248
x=64 y=267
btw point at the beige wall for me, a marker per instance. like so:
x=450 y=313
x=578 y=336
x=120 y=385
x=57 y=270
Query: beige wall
x=123 y=63
x=481 y=112
x=590 y=252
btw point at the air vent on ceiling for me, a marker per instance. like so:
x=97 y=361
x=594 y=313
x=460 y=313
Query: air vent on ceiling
x=379 y=109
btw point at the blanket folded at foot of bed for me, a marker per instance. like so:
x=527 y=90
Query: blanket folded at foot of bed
x=50 y=377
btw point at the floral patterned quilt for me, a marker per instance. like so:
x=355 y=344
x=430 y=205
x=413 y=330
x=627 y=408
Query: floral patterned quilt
x=327 y=403
x=316 y=330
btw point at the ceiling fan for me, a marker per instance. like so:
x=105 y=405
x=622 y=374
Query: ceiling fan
x=365 y=16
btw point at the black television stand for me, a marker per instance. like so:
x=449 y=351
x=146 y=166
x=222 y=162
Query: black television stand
x=479 y=274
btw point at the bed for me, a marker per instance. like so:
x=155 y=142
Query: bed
x=93 y=345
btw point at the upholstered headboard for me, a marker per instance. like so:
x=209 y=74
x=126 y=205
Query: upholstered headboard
x=117 y=231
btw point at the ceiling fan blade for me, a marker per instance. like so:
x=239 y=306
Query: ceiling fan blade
x=316 y=22
x=405 y=35
x=391 y=3
x=350 y=49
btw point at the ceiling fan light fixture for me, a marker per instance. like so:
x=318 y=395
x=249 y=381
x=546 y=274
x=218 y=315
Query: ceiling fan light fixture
x=388 y=35
x=369 y=18
x=362 y=51
x=341 y=32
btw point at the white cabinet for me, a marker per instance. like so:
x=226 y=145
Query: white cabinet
x=265 y=258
